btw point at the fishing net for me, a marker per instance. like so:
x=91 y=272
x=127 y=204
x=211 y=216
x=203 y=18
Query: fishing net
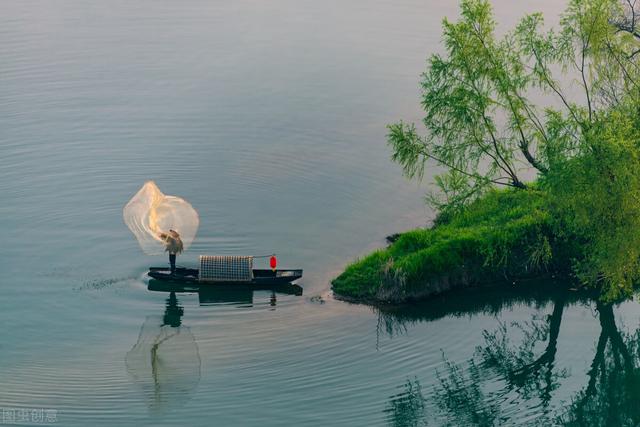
x=165 y=363
x=150 y=212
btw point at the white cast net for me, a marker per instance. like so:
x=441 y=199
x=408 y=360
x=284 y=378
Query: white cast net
x=150 y=212
x=165 y=363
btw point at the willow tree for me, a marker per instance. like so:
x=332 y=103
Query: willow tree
x=559 y=106
x=483 y=126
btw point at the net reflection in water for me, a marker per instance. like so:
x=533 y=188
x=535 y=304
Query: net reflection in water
x=165 y=360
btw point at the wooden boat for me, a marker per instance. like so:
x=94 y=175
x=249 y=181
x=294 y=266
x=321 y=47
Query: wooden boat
x=217 y=270
x=260 y=278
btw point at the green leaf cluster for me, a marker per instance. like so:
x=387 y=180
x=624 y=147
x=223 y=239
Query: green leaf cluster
x=596 y=200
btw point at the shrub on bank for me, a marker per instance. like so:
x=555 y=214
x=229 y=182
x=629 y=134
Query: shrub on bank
x=503 y=235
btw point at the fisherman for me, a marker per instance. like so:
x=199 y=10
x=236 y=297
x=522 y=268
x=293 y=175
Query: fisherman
x=173 y=245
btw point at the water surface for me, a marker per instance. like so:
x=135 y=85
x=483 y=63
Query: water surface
x=270 y=119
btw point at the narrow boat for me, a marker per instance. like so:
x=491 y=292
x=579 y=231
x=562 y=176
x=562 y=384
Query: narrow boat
x=226 y=270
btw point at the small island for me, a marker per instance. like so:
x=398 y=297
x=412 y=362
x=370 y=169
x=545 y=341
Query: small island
x=538 y=135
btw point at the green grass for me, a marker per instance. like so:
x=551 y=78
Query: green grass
x=504 y=233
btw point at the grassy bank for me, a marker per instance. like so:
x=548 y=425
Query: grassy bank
x=504 y=235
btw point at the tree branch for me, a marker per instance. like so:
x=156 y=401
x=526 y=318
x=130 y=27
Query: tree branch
x=471 y=175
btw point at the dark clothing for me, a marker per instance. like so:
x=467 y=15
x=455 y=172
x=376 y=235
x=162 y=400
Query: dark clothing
x=172 y=261
x=172 y=242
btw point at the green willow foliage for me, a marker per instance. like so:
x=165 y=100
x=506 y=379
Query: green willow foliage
x=485 y=129
x=597 y=199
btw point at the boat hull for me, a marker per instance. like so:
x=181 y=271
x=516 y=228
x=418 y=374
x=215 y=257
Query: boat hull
x=261 y=278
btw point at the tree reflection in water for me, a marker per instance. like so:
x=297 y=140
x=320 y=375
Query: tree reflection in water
x=611 y=394
x=501 y=373
x=406 y=409
x=461 y=394
x=525 y=371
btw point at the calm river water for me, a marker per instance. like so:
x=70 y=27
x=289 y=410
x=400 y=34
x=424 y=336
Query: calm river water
x=269 y=117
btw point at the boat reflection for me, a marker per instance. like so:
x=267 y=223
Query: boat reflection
x=221 y=294
x=165 y=360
